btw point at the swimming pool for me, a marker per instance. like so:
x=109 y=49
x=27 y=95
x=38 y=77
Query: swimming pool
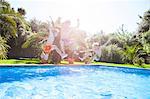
x=74 y=82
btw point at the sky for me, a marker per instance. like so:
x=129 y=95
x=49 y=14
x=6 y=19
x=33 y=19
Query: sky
x=94 y=15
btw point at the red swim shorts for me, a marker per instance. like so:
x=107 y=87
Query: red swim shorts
x=47 y=48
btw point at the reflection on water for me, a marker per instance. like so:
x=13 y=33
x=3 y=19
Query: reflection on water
x=74 y=83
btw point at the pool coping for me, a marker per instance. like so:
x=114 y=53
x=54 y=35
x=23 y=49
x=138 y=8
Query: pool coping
x=65 y=65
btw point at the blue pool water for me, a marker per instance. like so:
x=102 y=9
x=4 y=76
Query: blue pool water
x=76 y=82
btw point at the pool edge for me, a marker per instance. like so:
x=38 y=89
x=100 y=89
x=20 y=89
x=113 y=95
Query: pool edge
x=65 y=65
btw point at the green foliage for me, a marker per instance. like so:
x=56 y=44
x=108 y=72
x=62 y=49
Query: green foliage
x=140 y=61
x=11 y=22
x=41 y=30
x=142 y=38
x=144 y=25
x=111 y=53
x=7 y=26
x=38 y=26
x=142 y=41
x=129 y=53
x=15 y=29
x=3 y=48
x=100 y=38
x=125 y=47
x=145 y=40
x=123 y=35
x=34 y=40
x=135 y=48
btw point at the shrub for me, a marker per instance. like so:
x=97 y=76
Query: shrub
x=140 y=61
x=111 y=53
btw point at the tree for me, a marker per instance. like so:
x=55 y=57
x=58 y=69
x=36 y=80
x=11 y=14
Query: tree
x=12 y=22
x=14 y=28
x=136 y=49
x=8 y=26
x=144 y=25
x=142 y=37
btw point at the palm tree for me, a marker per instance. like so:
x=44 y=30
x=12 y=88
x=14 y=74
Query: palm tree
x=8 y=25
x=11 y=21
x=3 y=48
x=129 y=53
x=13 y=26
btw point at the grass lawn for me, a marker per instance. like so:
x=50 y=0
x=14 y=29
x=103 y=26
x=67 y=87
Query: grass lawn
x=36 y=61
x=22 y=61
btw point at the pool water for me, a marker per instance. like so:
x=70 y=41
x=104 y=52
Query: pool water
x=76 y=82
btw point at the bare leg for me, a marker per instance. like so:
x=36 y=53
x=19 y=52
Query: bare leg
x=54 y=47
x=62 y=46
x=44 y=57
